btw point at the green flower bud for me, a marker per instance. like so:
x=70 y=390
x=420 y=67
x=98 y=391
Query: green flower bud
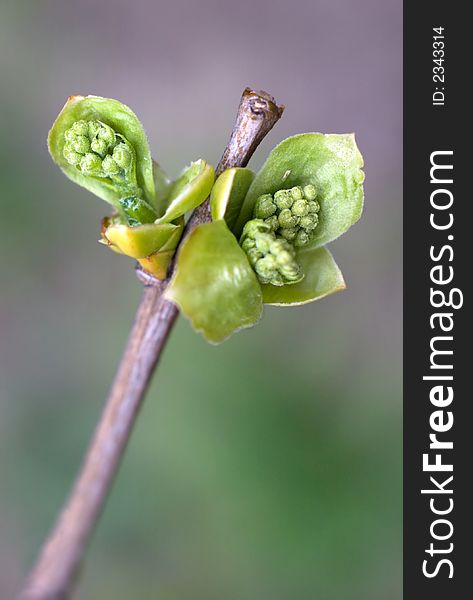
x=80 y=128
x=80 y=144
x=106 y=134
x=263 y=242
x=310 y=192
x=264 y=207
x=248 y=244
x=302 y=239
x=309 y=222
x=254 y=256
x=288 y=233
x=109 y=166
x=314 y=206
x=93 y=127
x=253 y=227
x=296 y=193
x=283 y=199
x=286 y=218
x=272 y=222
x=266 y=267
x=69 y=135
x=99 y=146
x=300 y=208
x=123 y=155
x=91 y=164
x=72 y=157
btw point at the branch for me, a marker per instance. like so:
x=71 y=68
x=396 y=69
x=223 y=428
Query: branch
x=54 y=574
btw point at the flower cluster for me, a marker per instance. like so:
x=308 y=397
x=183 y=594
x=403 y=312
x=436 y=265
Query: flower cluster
x=97 y=150
x=272 y=258
x=291 y=213
x=282 y=222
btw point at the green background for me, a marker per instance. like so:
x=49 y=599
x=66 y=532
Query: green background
x=268 y=467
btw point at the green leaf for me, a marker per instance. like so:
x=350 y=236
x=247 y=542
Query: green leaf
x=332 y=163
x=162 y=185
x=124 y=122
x=189 y=190
x=214 y=285
x=228 y=194
x=322 y=277
x=143 y=240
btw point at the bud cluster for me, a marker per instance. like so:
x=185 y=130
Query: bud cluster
x=281 y=222
x=292 y=214
x=95 y=149
x=272 y=258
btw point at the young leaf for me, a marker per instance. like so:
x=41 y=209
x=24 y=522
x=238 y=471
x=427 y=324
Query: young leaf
x=189 y=190
x=228 y=194
x=143 y=240
x=214 y=285
x=322 y=277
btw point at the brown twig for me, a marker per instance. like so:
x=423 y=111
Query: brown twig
x=53 y=576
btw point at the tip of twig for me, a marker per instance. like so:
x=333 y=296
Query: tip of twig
x=262 y=101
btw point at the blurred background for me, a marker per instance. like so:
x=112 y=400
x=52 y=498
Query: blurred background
x=268 y=467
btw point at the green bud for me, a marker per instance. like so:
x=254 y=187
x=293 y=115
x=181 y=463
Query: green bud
x=296 y=192
x=279 y=245
x=314 y=206
x=310 y=192
x=254 y=256
x=69 y=135
x=91 y=164
x=80 y=127
x=309 y=222
x=99 y=146
x=266 y=267
x=106 y=134
x=286 y=218
x=248 y=244
x=302 y=239
x=109 y=166
x=122 y=155
x=263 y=242
x=264 y=207
x=272 y=222
x=80 y=144
x=288 y=233
x=253 y=227
x=72 y=157
x=93 y=127
x=283 y=199
x=300 y=208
